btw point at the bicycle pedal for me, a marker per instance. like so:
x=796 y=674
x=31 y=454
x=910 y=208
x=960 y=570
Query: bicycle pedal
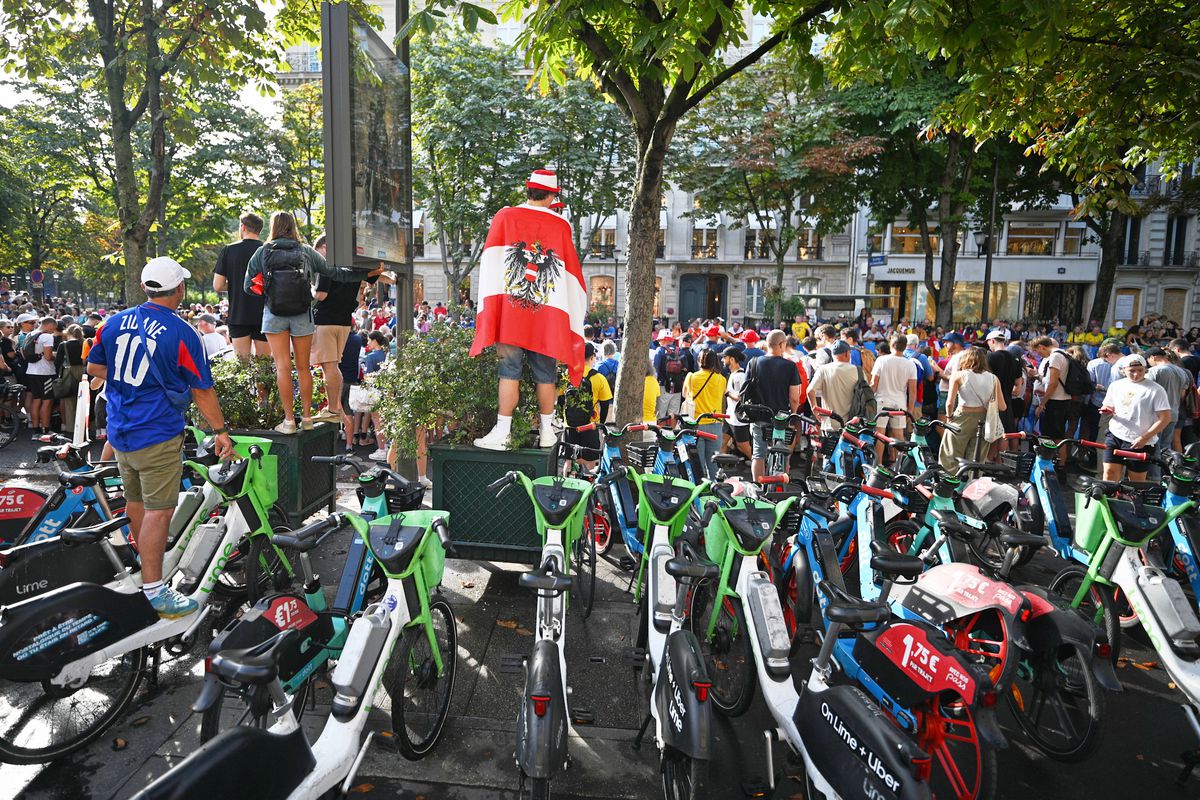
x=512 y=663
x=626 y=564
x=584 y=718
x=385 y=738
x=755 y=788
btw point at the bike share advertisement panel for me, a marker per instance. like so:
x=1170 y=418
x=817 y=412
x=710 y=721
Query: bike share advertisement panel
x=44 y=566
x=41 y=635
x=271 y=615
x=914 y=654
x=18 y=505
x=863 y=753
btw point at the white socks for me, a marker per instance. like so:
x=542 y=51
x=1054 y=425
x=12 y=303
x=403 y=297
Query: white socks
x=547 y=422
x=152 y=589
x=503 y=425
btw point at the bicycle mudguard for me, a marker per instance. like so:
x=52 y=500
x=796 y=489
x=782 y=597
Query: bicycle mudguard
x=542 y=738
x=681 y=695
x=40 y=567
x=241 y=762
x=988 y=497
x=856 y=748
x=18 y=505
x=952 y=591
x=41 y=635
x=1054 y=622
x=272 y=614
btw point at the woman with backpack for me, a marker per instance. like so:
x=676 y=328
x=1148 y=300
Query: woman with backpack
x=282 y=271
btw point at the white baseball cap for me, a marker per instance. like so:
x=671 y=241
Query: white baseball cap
x=23 y=318
x=996 y=333
x=163 y=273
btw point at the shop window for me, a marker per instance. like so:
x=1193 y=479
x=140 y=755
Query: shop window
x=604 y=242
x=1031 y=239
x=600 y=291
x=1074 y=239
x=875 y=242
x=418 y=291
x=968 y=301
x=704 y=243
x=661 y=248
x=907 y=240
x=758 y=243
x=756 y=296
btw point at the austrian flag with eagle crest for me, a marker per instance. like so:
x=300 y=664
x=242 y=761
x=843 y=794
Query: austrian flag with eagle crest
x=531 y=289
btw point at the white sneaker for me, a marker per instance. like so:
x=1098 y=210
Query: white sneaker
x=547 y=438
x=424 y=481
x=379 y=455
x=493 y=441
x=287 y=426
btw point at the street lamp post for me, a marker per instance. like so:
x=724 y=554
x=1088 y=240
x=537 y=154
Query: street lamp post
x=988 y=240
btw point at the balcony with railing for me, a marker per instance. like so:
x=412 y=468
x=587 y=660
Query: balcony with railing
x=1176 y=260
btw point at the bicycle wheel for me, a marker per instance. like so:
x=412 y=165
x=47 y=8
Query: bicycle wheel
x=233 y=709
x=40 y=722
x=1098 y=604
x=900 y=534
x=964 y=766
x=10 y=425
x=1058 y=704
x=984 y=638
x=584 y=562
x=420 y=698
x=683 y=777
x=727 y=653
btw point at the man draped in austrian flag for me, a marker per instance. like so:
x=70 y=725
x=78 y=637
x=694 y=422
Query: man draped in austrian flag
x=531 y=304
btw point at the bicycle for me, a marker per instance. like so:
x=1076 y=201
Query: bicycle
x=618 y=502
x=672 y=665
x=1116 y=534
x=382 y=493
x=559 y=506
x=783 y=433
x=393 y=651
x=12 y=416
x=98 y=638
x=928 y=688
x=596 y=524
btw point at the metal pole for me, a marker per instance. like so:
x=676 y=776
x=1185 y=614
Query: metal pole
x=991 y=241
x=616 y=279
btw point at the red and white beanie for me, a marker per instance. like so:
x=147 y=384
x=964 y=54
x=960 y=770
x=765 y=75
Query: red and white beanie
x=544 y=179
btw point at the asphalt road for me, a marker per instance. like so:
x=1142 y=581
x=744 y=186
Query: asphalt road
x=1145 y=731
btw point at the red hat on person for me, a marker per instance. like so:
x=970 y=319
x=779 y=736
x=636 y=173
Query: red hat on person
x=544 y=179
x=713 y=330
x=750 y=336
x=557 y=205
x=665 y=336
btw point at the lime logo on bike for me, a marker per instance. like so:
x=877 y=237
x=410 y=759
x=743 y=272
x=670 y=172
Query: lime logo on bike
x=219 y=567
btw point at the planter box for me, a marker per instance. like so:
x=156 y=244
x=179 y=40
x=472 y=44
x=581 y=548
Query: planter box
x=304 y=487
x=485 y=527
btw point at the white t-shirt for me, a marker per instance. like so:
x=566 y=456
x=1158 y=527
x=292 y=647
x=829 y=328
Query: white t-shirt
x=213 y=344
x=834 y=384
x=737 y=381
x=948 y=370
x=893 y=372
x=1058 y=360
x=1135 y=407
x=42 y=366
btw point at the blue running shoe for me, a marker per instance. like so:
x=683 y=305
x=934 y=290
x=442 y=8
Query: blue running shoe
x=170 y=604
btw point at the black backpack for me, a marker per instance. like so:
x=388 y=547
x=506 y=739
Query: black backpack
x=579 y=402
x=1077 y=381
x=285 y=280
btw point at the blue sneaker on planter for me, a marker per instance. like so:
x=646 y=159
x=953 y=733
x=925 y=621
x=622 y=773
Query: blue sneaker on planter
x=170 y=604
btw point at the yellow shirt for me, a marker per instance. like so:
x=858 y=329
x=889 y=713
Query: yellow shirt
x=600 y=392
x=800 y=330
x=650 y=400
x=1076 y=338
x=707 y=390
x=1095 y=339
x=1117 y=333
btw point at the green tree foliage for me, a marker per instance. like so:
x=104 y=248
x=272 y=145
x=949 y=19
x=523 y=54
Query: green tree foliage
x=299 y=158
x=471 y=120
x=768 y=151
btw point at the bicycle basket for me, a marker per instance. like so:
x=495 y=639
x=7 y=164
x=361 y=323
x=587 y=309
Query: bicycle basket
x=641 y=455
x=400 y=498
x=1021 y=462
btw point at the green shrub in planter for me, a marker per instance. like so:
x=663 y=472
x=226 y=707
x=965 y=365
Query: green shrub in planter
x=248 y=393
x=434 y=382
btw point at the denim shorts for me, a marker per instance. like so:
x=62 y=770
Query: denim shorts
x=296 y=325
x=544 y=367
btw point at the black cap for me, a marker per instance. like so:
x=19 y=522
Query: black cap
x=734 y=353
x=589 y=350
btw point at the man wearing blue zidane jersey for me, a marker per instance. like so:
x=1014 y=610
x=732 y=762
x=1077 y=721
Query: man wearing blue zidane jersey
x=154 y=366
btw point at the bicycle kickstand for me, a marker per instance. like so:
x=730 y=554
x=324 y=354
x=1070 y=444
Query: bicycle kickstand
x=637 y=742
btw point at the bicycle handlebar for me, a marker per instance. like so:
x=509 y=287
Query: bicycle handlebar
x=320 y=529
x=781 y=478
x=1131 y=455
x=443 y=533
x=705 y=435
x=497 y=486
x=880 y=493
x=852 y=439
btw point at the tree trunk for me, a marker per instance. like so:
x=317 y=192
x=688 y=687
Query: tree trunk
x=133 y=238
x=1112 y=241
x=779 y=253
x=945 y=298
x=639 y=273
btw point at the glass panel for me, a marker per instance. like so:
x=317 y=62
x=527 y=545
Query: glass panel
x=758 y=243
x=808 y=248
x=907 y=241
x=604 y=243
x=756 y=295
x=601 y=291
x=661 y=250
x=1075 y=239
x=968 y=301
x=1031 y=240
x=704 y=243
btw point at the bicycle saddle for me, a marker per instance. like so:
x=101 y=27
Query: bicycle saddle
x=952 y=526
x=691 y=563
x=242 y=762
x=74 y=480
x=1085 y=483
x=93 y=533
x=852 y=611
x=545 y=582
x=893 y=564
x=726 y=460
x=1014 y=537
x=254 y=665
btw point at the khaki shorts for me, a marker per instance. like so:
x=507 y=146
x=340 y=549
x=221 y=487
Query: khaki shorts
x=152 y=475
x=328 y=343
